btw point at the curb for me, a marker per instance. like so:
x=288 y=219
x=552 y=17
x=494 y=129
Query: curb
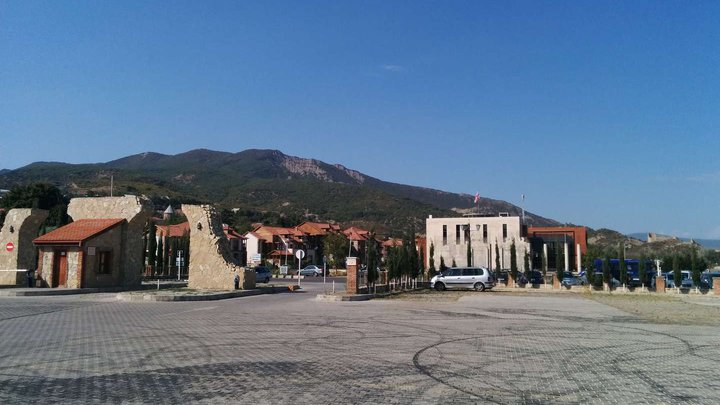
x=344 y=298
x=200 y=297
x=37 y=292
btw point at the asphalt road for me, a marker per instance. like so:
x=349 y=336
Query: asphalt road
x=291 y=348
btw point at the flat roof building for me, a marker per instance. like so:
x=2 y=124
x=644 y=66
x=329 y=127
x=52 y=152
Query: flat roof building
x=450 y=238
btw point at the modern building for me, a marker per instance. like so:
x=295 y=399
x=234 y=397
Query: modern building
x=487 y=237
x=570 y=240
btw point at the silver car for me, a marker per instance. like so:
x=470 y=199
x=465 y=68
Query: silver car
x=479 y=278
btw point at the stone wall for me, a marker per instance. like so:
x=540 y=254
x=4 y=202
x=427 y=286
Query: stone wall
x=25 y=223
x=137 y=212
x=211 y=262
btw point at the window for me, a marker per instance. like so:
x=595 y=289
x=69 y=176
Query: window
x=103 y=259
x=453 y=272
x=504 y=232
x=457 y=234
x=469 y=272
x=485 y=235
x=444 y=234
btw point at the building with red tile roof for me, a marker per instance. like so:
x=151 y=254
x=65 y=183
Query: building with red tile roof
x=83 y=254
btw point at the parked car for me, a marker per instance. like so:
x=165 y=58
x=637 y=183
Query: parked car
x=571 y=280
x=706 y=278
x=311 y=270
x=501 y=277
x=685 y=282
x=479 y=278
x=535 y=277
x=262 y=274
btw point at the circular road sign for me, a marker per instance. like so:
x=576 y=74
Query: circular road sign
x=300 y=254
x=9 y=247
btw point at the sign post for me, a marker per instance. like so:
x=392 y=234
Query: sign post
x=10 y=246
x=324 y=270
x=299 y=254
x=179 y=261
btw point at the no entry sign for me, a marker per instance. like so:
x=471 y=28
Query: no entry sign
x=9 y=246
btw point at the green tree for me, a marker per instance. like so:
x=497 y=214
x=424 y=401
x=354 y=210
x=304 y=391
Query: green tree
x=694 y=267
x=443 y=267
x=559 y=262
x=38 y=195
x=421 y=262
x=677 y=275
x=336 y=247
x=392 y=263
x=606 y=272
x=152 y=246
x=513 y=261
x=412 y=254
x=431 y=269
x=372 y=259
x=622 y=265
x=497 y=258
x=159 y=257
x=526 y=264
x=468 y=254
x=642 y=270
x=453 y=263
x=589 y=270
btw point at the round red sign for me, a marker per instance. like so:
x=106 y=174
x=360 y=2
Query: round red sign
x=9 y=246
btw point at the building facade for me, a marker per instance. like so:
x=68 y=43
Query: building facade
x=449 y=239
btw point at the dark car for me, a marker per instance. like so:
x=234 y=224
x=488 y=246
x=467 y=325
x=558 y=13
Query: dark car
x=262 y=274
x=706 y=278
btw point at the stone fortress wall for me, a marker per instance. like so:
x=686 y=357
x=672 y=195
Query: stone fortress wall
x=211 y=263
x=137 y=211
x=24 y=223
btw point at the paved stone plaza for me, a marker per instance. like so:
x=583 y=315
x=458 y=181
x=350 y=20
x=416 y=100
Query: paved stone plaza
x=290 y=348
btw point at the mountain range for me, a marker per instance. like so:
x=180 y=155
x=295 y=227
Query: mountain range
x=263 y=180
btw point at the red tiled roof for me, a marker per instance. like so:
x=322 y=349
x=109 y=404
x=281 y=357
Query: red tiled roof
x=174 y=231
x=78 y=231
x=280 y=253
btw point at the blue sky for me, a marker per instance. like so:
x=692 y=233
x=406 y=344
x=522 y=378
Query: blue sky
x=602 y=113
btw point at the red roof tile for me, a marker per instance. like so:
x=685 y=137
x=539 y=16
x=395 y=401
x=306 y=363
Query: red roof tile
x=174 y=231
x=78 y=231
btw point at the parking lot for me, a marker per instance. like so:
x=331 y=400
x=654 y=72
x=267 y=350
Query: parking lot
x=452 y=347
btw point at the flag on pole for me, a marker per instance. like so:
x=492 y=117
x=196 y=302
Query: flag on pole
x=477 y=198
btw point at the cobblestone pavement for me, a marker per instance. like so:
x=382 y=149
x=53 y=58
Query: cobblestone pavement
x=289 y=348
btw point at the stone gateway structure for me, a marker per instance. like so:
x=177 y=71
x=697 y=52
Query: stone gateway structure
x=211 y=262
x=16 y=249
x=103 y=247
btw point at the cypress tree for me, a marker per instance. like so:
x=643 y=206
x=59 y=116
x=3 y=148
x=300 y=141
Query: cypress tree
x=469 y=255
x=559 y=263
x=497 y=258
x=606 y=271
x=159 y=257
x=372 y=259
x=513 y=261
x=152 y=246
x=642 y=271
x=694 y=268
x=453 y=263
x=431 y=269
x=526 y=264
x=677 y=275
x=622 y=266
x=443 y=267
